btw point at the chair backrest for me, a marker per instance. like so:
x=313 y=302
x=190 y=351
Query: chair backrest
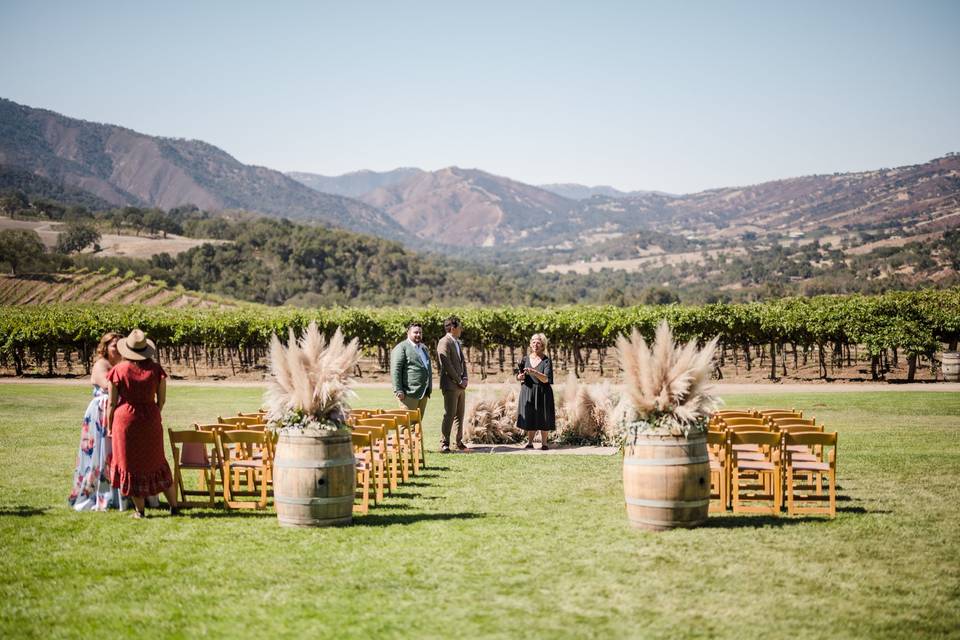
x=245 y=440
x=717 y=443
x=734 y=413
x=814 y=439
x=768 y=413
x=737 y=428
x=740 y=422
x=402 y=417
x=794 y=422
x=214 y=426
x=389 y=422
x=766 y=438
x=192 y=449
x=800 y=428
x=240 y=421
x=261 y=415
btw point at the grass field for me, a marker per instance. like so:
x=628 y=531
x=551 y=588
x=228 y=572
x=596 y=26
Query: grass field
x=491 y=546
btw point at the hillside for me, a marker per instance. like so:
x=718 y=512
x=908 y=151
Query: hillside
x=354 y=184
x=123 y=167
x=104 y=286
x=468 y=207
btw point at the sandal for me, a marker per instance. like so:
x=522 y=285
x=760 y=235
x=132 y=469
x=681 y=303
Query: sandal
x=138 y=515
x=174 y=511
x=543 y=447
x=529 y=445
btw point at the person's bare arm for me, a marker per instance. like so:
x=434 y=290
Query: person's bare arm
x=162 y=394
x=536 y=374
x=112 y=407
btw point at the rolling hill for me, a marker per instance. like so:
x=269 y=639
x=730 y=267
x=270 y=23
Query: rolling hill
x=123 y=167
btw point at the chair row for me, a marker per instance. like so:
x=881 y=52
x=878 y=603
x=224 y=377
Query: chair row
x=758 y=463
x=388 y=445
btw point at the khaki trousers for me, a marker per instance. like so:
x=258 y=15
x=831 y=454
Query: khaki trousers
x=416 y=403
x=453 y=407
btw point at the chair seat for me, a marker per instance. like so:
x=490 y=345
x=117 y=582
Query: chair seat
x=756 y=465
x=804 y=457
x=750 y=455
x=746 y=447
x=810 y=466
x=798 y=447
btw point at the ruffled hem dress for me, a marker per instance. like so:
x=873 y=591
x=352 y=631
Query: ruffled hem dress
x=139 y=466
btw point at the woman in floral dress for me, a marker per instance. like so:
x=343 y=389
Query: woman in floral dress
x=91 y=485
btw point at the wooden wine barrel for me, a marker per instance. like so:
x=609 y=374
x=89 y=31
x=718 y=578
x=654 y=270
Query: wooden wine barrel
x=666 y=481
x=314 y=480
x=951 y=366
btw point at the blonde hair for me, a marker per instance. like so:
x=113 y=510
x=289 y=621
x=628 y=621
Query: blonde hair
x=542 y=338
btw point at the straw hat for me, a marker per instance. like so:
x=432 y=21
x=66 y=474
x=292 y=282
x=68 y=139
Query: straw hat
x=136 y=346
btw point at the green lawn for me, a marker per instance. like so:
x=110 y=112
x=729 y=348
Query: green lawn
x=491 y=546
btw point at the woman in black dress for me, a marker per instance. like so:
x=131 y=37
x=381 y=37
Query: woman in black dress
x=535 y=411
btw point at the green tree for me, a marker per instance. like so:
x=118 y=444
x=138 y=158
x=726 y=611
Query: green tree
x=13 y=203
x=77 y=237
x=20 y=248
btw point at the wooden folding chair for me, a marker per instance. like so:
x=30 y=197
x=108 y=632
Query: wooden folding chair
x=395 y=446
x=195 y=450
x=380 y=456
x=236 y=452
x=817 y=468
x=744 y=473
x=404 y=418
x=363 y=453
x=718 y=452
x=416 y=433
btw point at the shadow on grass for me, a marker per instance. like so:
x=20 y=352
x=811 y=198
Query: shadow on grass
x=385 y=520
x=190 y=514
x=758 y=521
x=23 y=511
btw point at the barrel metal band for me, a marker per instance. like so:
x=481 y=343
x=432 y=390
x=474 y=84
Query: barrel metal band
x=312 y=501
x=664 y=462
x=668 y=504
x=668 y=443
x=672 y=524
x=313 y=464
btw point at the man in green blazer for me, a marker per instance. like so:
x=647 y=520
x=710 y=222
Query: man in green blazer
x=411 y=371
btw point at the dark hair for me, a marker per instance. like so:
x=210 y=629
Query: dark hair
x=451 y=323
x=413 y=324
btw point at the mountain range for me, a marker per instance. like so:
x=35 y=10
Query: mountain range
x=124 y=167
x=456 y=208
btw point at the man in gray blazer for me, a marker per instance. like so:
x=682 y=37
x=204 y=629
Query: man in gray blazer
x=453 y=381
x=410 y=370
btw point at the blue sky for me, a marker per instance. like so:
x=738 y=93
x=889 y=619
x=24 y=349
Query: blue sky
x=678 y=96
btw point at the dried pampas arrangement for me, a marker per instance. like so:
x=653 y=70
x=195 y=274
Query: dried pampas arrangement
x=668 y=385
x=587 y=414
x=310 y=382
x=491 y=418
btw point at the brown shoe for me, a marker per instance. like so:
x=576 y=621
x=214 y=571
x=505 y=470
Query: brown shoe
x=461 y=446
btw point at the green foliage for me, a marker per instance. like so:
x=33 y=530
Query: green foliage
x=914 y=322
x=77 y=237
x=20 y=249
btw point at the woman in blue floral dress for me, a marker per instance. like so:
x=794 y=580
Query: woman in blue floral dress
x=91 y=485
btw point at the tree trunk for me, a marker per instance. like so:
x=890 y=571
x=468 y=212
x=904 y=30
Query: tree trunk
x=911 y=367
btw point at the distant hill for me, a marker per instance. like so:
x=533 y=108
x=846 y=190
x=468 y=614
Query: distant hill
x=469 y=207
x=123 y=167
x=355 y=184
x=583 y=192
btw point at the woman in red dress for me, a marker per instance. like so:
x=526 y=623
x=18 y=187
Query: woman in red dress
x=138 y=390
